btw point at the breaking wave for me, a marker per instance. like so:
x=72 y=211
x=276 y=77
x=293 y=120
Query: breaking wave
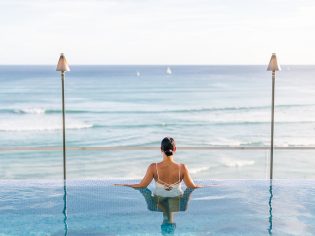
x=125 y=110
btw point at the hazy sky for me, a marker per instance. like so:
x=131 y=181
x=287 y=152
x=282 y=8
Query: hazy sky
x=157 y=31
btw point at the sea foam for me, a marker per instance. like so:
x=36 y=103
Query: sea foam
x=40 y=123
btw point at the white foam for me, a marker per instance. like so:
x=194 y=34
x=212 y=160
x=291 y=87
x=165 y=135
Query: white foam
x=253 y=116
x=40 y=123
x=225 y=141
x=197 y=170
x=237 y=163
x=31 y=110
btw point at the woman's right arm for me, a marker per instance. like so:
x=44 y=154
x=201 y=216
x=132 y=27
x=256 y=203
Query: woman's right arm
x=145 y=181
x=187 y=178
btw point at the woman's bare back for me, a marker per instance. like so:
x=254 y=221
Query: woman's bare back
x=168 y=173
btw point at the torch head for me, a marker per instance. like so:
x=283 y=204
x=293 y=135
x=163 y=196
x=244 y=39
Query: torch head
x=62 y=64
x=273 y=64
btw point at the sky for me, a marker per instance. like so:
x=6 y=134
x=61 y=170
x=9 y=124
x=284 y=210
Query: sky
x=157 y=31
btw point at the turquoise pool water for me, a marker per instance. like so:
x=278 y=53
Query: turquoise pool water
x=95 y=207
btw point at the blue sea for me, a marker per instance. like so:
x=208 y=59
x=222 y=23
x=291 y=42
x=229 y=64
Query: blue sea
x=114 y=106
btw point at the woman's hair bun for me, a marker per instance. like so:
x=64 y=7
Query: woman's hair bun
x=169 y=152
x=168 y=146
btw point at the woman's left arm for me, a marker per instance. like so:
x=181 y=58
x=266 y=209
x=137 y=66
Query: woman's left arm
x=144 y=182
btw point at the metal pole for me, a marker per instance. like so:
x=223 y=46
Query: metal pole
x=272 y=123
x=63 y=125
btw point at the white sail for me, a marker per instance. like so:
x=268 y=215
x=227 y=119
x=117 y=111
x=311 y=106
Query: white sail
x=138 y=74
x=168 y=70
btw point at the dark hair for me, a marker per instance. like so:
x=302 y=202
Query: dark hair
x=168 y=146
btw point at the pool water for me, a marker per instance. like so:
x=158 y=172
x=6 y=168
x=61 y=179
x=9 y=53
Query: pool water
x=96 y=207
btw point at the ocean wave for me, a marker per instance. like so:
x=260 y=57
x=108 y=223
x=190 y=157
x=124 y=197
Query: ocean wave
x=41 y=124
x=198 y=170
x=238 y=108
x=27 y=125
x=39 y=110
x=28 y=111
x=237 y=163
x=51 y=128
x=254 y=143
x=194 y=124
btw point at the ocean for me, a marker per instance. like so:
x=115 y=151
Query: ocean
x=117 y=106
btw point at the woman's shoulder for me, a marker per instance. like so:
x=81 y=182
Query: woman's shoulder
x=183 y=167
x=153 y=166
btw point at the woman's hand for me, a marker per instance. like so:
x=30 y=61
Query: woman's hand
x=126 y=185
x=199 y=186
x=206 y=186
x=131 y=185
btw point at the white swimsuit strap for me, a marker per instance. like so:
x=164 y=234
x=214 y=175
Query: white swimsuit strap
x=179 y=173
x=157 y=173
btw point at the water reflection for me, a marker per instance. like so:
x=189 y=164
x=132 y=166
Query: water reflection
x=270 y=208
x=64 y=211
x=168 y=206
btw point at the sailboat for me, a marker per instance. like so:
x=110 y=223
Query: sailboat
x=138 y=74
x=168 y=71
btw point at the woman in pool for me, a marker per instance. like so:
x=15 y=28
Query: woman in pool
x=168 y=206
x=167 y=174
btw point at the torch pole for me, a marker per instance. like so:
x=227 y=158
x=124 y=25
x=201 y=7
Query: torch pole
x=63 y=124
x=272 y=123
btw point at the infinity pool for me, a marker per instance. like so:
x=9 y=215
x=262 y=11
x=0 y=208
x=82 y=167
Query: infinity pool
x=99 y=208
